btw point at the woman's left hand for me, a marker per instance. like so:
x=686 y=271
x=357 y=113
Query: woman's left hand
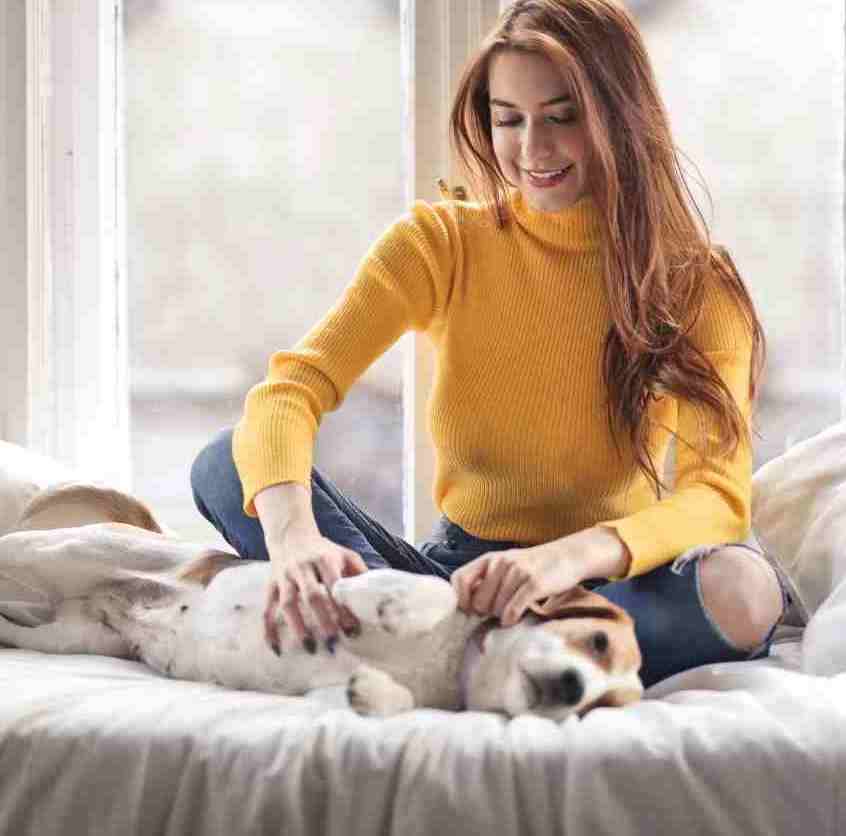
x=505 y=583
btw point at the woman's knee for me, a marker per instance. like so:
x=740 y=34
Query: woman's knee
x=742 y=594
x=212 y=467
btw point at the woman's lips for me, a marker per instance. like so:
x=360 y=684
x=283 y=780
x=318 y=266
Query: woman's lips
x=549 y=181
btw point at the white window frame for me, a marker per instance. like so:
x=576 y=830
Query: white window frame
x=66 y=321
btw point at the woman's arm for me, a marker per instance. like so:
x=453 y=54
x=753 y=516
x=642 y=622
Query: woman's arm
x=402 y=284
x=284 y=507
x=505 y=583
x=711 y=498
x=304 y=567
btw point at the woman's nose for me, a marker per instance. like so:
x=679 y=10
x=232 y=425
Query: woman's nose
x=537 y=143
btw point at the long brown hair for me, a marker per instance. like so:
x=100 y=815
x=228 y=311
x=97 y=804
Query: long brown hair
x=656 y=255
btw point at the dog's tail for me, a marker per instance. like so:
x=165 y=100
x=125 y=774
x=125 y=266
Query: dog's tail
x=71 y=504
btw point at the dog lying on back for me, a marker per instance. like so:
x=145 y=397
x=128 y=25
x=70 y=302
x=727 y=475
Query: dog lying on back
x=88 y=570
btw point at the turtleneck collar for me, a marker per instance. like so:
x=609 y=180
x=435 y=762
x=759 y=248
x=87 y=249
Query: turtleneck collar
x=575 y=227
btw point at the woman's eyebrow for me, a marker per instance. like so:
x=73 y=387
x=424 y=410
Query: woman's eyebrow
x=557 y=100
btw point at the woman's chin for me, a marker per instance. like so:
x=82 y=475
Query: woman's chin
x=549 y=202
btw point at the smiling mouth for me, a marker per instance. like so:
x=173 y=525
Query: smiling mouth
x=546 y=172
x=549 y=177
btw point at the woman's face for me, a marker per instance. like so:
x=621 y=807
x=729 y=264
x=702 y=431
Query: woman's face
x=536 y=130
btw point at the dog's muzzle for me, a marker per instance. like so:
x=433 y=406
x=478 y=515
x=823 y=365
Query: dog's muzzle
x=566 y=688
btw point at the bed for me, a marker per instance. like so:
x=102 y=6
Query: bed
x=98 y=745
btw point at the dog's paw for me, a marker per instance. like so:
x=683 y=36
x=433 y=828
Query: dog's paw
x=375 y=693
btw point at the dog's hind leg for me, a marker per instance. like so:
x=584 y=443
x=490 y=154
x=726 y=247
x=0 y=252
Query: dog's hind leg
x=76 y=629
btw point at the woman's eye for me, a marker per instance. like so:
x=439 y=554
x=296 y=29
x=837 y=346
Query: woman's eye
x=556 y=120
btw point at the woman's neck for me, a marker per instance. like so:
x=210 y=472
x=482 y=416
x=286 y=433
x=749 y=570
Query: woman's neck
x=574 y=227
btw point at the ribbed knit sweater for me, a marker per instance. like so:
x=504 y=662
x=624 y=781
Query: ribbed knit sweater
x=517 y=317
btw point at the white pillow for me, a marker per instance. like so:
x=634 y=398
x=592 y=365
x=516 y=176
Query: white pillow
x=799 y=514
x=823 y=644
x=22 y=474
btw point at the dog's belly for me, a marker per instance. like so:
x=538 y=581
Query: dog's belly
x=216 y=634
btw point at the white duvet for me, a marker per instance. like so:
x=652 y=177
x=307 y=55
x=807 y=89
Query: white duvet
x=92 y=745
x=97 y=745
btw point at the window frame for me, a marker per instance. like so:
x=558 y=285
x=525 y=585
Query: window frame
x=70 y=396
x=437 y=36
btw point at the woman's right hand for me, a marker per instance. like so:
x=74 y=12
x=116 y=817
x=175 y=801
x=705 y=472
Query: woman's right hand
x=305 y=565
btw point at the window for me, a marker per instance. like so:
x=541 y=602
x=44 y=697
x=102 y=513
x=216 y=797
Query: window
x=757 y=104
x=264 y=155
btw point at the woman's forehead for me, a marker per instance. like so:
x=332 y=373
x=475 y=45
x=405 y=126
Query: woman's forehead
x=526 y=80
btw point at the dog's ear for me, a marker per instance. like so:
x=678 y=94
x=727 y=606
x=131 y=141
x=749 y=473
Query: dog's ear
x=620 y=697
x=70 y=504
x=616 y=698
x=203 y=568
x=579 y=602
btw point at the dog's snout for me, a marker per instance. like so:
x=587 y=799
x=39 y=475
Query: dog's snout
x=566 y=688
x=570 y=687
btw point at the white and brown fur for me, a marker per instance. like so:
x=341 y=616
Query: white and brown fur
x=88 y=570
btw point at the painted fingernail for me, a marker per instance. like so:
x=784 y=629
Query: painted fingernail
x=352 y=631
x=330 y=644
x=310 y=644
x=276 y=649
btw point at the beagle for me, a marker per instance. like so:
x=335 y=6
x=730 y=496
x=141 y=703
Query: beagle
x=88 y=570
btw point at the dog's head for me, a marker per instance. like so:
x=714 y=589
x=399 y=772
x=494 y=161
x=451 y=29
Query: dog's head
x=576 y=652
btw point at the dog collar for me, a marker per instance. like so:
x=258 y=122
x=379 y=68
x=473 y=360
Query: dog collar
x=473 y=652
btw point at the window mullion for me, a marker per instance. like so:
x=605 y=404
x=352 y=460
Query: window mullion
x=437 y=38
x=77 y=357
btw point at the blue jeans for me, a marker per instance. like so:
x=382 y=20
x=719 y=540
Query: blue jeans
x=674 y=630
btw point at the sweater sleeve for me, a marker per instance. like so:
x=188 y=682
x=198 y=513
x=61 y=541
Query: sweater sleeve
x=711 y=499
x=402 y=284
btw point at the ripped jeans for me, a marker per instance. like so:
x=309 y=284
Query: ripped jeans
x=674 y=630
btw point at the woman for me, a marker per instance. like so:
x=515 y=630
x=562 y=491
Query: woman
x=581 y=318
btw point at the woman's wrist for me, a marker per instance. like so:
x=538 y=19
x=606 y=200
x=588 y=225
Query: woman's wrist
x=603 y=553
x=285 y=510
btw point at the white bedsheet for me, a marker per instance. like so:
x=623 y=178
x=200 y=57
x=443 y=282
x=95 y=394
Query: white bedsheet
x=94 y=745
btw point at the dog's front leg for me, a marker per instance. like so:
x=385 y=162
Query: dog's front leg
x=376 y=693
x=398 y=603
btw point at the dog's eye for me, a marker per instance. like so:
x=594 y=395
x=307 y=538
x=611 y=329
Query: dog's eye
x=598 y=642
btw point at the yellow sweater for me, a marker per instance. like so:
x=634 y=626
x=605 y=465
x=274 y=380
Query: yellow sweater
x=517 y=317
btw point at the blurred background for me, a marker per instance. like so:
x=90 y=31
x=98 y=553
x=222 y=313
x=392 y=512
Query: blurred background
x=264 y=157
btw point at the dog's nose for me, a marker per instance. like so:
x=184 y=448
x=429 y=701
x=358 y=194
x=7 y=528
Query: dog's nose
x=569 y=688
x=566 y=688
